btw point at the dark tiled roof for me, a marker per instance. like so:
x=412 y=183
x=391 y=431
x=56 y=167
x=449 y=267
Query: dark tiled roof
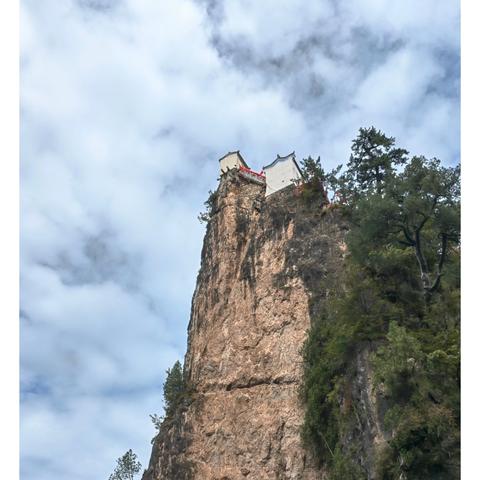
x=280 y=159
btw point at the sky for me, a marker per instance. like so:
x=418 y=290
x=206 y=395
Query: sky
x=126 y=106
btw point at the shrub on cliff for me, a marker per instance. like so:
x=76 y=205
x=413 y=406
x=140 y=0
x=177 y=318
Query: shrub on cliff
x=210 y=207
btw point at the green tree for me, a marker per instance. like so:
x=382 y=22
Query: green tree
x=428 y=215
x=425 y=443
x=127 y=467
x=313 y=187
x=210 y=207
x=173 y=388
x=316 y=182
x=419 y=210
x=312 y=170
x=399 y=365
x=157 y=421
x=374 y=157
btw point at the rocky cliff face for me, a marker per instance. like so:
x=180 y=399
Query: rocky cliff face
x=264 y=267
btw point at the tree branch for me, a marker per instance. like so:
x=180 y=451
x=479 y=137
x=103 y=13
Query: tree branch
x=421 y=261
x=408 y=236
x=423 y=222
x=443 y=253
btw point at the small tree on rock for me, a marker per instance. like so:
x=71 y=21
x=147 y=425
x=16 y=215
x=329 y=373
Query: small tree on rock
x=127 y=467
x=157 y=421
x=210 y=207
x=173 y=388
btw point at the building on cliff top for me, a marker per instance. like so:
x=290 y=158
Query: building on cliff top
x=235 y=161
x=232 y=160
x=281 y=173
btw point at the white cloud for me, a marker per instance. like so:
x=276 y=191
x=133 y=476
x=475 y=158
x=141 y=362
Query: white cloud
x=85 y=437
x=273 y=28
x=430 y=22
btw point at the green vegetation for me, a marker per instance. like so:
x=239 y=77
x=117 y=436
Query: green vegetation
x=157 y=421
x=210 y=207
x=175 y=393
x=315 y=183
x=171 y=429
x=127 y=467
x=425 y=420
x=398 y=299
x=372 y=162
x=174 y=389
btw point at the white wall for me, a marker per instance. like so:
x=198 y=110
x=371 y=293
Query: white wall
x=232 y=160
x=281 y=175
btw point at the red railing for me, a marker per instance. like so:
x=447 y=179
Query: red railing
x=247 y=170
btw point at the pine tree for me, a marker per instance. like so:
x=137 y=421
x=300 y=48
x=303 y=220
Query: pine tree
x=316 y=182
x=428 y=217
x=173 y=388
x=374 y=157
x=127 y=467
x=419 y=209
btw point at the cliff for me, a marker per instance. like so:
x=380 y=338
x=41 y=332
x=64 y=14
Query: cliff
x=264 y=271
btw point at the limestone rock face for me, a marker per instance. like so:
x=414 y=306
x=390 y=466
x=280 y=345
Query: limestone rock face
x=262 y=267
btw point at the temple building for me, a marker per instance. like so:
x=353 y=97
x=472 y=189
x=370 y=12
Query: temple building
x=281 y=173
x=235 y=161
x=232 y=160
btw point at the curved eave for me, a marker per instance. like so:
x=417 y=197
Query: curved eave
x=281 y=159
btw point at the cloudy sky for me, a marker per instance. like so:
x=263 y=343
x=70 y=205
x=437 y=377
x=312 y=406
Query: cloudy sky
x=126 y=105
